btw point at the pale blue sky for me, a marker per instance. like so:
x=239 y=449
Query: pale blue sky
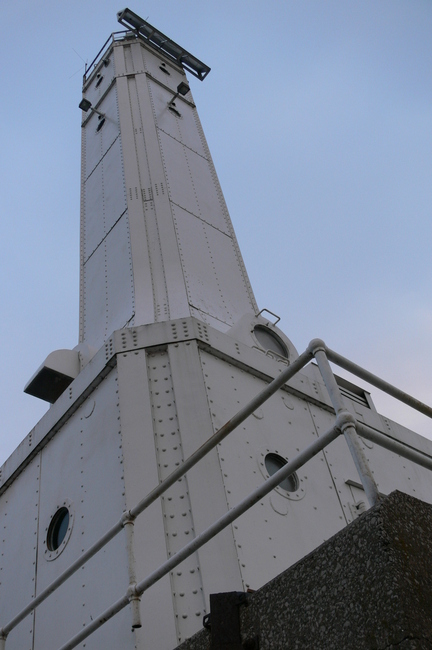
x=318 y=117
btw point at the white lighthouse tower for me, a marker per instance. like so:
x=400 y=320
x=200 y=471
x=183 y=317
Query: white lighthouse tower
x=172 y=345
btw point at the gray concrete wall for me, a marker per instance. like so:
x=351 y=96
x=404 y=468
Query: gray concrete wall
x=369 y=586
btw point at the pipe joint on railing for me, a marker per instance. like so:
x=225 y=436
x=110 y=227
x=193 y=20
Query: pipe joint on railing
x=316 y=345
x=127 y=518
x=134 y=599
x=3 y=637
x=132 y=592
x=345 y=419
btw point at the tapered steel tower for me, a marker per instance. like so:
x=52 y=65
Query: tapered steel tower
x=171 y=346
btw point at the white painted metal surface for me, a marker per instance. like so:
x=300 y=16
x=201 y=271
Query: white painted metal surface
x=19 y=541
x=167 y=315
x=71 y=471
x=284 y=426
x=157 y=243
x=186 y=582
x=145 y=391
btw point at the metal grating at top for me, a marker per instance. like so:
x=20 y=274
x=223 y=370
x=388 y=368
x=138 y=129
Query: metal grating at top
x=162 y=43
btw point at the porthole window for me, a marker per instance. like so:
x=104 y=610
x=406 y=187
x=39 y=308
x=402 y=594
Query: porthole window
x=164 y=69
x=274 y=463
x=58 y=530
x=292 y=487
x=268 y=340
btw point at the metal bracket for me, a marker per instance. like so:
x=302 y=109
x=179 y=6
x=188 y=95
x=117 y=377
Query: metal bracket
x=224 y=620
x=357 y=508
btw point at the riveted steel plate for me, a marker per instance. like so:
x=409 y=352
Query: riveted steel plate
x=93 y=230
x=278 y=530
x=186 y=584
x=213 y=276
x=83 y=466
x=101 y=80
x=97 y=142
x=390 y=471
x=104 y=198
x=184 y=129
x=191 y=184
x=18 y=547
x=108 y=285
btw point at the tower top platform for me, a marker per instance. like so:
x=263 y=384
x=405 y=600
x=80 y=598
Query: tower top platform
x=160 y=42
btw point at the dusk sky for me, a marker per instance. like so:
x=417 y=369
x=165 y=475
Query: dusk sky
x=318 y=117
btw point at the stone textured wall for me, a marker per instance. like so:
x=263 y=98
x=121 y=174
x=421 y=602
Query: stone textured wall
x=369 y=586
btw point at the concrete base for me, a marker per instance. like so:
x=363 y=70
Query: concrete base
x=369 y=586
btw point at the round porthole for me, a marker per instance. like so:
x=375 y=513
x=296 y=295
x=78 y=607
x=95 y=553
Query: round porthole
x=268 y=340
x=58 y=530
x=273 y=464
x=291 y=487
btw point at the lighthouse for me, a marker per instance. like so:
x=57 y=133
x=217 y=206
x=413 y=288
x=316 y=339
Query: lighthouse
x=172 y=346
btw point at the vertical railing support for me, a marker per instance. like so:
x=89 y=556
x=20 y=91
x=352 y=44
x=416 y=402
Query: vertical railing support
x=134 y=598
x=3 y=637
x=319 y=350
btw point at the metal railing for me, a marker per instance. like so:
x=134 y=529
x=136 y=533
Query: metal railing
x=345 y=424
x=115 y=36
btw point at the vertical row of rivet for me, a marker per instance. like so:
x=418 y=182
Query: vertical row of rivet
x=109 y=349
x=186 y=583
x=82 y=237
x=38 y=461
x=203 y=331
x=129 y=248
x=139 y=102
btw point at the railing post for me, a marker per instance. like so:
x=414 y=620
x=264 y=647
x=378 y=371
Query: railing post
x=3 y=638
x=319 y=349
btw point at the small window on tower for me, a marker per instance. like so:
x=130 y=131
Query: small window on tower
x=58 y=531
x=269 y=340
x=99 y=81
x=274 y=463
x=163 y=68
x=174 y=110
x=101 y=123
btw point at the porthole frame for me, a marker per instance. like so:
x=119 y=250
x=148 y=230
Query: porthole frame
x=300 y=493
x=272 y=334
x=54 y=554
